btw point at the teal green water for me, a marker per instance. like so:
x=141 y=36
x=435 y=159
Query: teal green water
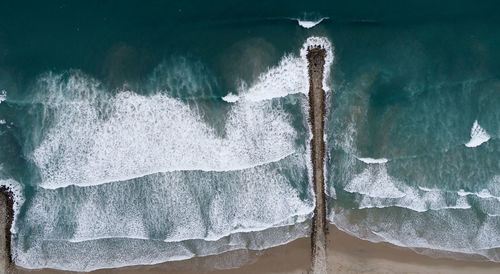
x=123 y=147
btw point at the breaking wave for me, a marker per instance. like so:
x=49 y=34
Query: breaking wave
x=442 y=233
x=3 y=96
x=143 y=179
x=378 y=190
x=99 y=139
x=290 y=76
x=230 y=98
x=307 y=24
x=373 y=160
x=477 y=135
x=211 y=209
x=427 y=192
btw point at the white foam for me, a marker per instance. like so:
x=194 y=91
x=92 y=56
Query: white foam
x=310 y=24
x=411 y=229
x=231 y=98
x=194 y=205
x=380 y=190
x=239 y=201
x=484 y=194
x=3 y=96
x=428 y=189
x=416 y=201
x=99 y=140
x=290 y=76
x=375 y=182
x=373 y=160
x=2 y=122
x=477 y=136
x=96 y=254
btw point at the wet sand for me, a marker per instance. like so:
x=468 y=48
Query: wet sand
x=346 y=254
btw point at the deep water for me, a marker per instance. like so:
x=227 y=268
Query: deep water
x=138 y=133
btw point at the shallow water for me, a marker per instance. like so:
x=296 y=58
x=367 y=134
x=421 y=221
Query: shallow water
x=180 y=130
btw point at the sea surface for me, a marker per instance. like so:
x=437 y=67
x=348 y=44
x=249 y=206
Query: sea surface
x=139 y=133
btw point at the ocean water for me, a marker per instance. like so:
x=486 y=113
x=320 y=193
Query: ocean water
x=140 y=133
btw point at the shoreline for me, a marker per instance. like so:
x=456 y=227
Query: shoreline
x=348 y=255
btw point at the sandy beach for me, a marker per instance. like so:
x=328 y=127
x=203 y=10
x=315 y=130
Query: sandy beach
x=346 y=254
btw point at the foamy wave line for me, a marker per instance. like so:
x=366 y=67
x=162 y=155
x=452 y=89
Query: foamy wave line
x=300 y=217
x=239 y=243
x=140 y=175
x=230 y=98
x=378 y=189
x=478 y=136
x=290 y=76
x=429 y=189
x=3 y=95
x=373 y=160
x=418 y=242
x=415 y=208
x=99 y=138
x=411 y=199
x=436 y=248
x=483 y=194
x=307 y=24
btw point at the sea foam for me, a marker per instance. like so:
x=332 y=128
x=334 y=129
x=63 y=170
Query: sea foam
x=98 y=140
x=307 y=24
x=378 y=189
x=149 y=175
x=169 y=212
x=230 y=98
x=375 y=182
x=373 y=160
x=3 y=96
x=290 y=76
x=408 y=228
x=477 y=135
